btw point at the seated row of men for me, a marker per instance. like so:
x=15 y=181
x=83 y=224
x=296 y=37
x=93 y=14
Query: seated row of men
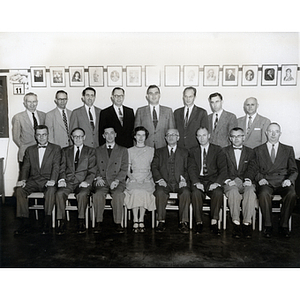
x=206 y=169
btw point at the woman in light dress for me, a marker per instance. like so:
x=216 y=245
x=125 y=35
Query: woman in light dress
x=140 y=185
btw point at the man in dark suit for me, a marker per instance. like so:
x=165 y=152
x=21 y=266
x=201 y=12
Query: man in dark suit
x=87 y=118
x=276 y=171
x=239 y=183
x=189 y=118
x=207 y=172
x=112 y=167
x=169 y=170
x=77 y=172
x=39 y=174
x=120 y=116
x=157 y=119
x=220 y=122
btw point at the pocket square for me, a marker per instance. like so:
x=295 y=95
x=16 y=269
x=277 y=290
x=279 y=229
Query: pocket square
x=257 y=128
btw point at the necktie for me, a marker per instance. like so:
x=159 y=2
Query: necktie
x=35 y=122
x=41 y=146
x=186 y=119
x=65 y=121
x=155 y=121
x=109 y=149
x=216 y=122
x=171 y=152
x=91 y=119
x=273 y=154
x=249 y=124
x=236 y=148
x=204 y=163
x=76 y=158
x=120 y=116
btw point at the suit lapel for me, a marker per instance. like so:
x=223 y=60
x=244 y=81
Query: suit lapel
x=46 y=155
x=193 y=114
x=58 y=118
x=232 y=157
x=222 y=121
x=242 y=159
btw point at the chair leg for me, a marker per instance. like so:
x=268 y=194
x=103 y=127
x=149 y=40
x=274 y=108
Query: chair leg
x=259 y=220
x=126 y=212
x=53 y=217
x=36 y=211
x=290 y=223
x=153 y=218
x=87 y=217
x=224 y=211
x=220 y=218
x=253 y=219
x=191 y=216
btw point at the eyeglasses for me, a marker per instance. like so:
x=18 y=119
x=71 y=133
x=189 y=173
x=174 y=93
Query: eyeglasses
x=237 y=136
x=171 y=134
x=77 y=136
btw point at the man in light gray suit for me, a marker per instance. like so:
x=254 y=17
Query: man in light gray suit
x=253 y=124
x=58 y=121
x=157 y=119
x=87 y=117
x=220 y=122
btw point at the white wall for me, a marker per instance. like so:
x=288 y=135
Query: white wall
x=279 y=103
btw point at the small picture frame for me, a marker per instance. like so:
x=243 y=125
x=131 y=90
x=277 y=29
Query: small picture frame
x=152 y=75
x=57 y=76
x=211 y=75
x=38 y=76
x=190 y=75
x=230 y=75
x=269 y=74
x=289 y=74
x=114 y=76
x=133 y=76
x=96 y=77
x=249 y=75
x=172 y=75
x=76 y=76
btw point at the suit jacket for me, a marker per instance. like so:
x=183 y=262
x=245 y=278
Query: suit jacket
x=226 y=122
x=159 y=165
x=166 y=121
x=113 y=167
x=216 y=165
x=23 y=132
x=86 y=168
x=242 y=172
x=79 y=118
x=57 y=130
x=49 y=169
x=198 y=118
x=124 y=133
x=284 y=167
x=257 y=134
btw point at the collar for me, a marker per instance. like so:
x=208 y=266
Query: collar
x=253 y=116
x=218 y=112
x=174 y=148
x=112 y=145
x=42 y=146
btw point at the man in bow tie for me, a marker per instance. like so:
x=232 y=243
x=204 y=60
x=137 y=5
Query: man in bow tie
x=39 y=173
x=238 y=186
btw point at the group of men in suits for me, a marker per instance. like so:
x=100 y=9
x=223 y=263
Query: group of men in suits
x=206 y=145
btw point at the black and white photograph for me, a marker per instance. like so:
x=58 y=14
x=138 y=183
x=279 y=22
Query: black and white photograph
x=114 y=76
x=76 y=76
x=152 y=75
x=211 y=75
x=172 y=75
x=289 y=74
x=57 y=76
x=269 y=74
x=96 y=77
x=249 y=75
x=191 y=75
x=134 y=76
x=38 y=77
x=230 y=75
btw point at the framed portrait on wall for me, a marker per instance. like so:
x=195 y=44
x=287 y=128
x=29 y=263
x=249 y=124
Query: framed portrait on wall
x=289 y=74
x=152 y=75
x=57 y=76
x=211 y=75
x=249 y=75
x=96 y=76
x=114 y=76
x=269 y=74
x=38 y=76
x=172 y=75
x=134 y=76
x=190 y=75
x=230 y=75
x=76 y=76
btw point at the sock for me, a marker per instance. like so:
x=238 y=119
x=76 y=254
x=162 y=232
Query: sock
x=213 y=221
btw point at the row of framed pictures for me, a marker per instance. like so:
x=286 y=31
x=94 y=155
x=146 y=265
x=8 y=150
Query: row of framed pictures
x=211 y=74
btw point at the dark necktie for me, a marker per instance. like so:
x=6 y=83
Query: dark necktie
x=171 y=152
x=91 y=119
x=155 y=121
x=65 y=121
x=236 y=148
x=120 y=116
x=35 y=122
x=41 y=146
x=249 y=124
x=109 y=149
x=216 y=122
x=204 y=163
x=77 y=158
x=186 y=119
x=273 y=154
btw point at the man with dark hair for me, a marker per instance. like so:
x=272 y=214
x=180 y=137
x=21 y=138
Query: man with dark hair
x=39 y=173
x=87 y=117
x=120 y=116
x=155 y=117
x=189 y=118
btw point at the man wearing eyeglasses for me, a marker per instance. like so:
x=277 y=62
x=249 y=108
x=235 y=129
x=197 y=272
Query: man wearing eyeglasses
x=77 y=172
x=120 y=116
x=170 y=174
x=39 y=173
x=239 y=183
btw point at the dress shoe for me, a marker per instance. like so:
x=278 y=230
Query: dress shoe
x=61 y=228
x=247 y=231
x=268 y=231
x=183 y=227
x=161 y=227
x=283 y=231
x=23 y=228
x=81 y=227
x=214 y=229
x=236 y=232
x=119 y=228
x=98 y=228
x=199 y=228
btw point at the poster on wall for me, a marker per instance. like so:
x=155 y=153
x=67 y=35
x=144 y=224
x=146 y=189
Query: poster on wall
x=249 y=75
x=76 y=76
x=38 y=76
x=230 y=75
x=114 y=76
x=172 y=75
x=190 y=75
x=269 y=74
x=152 y=75
x=211 y=75
x=289 y=74
x=134 y=76
x=57 y=76
x=96 y=77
